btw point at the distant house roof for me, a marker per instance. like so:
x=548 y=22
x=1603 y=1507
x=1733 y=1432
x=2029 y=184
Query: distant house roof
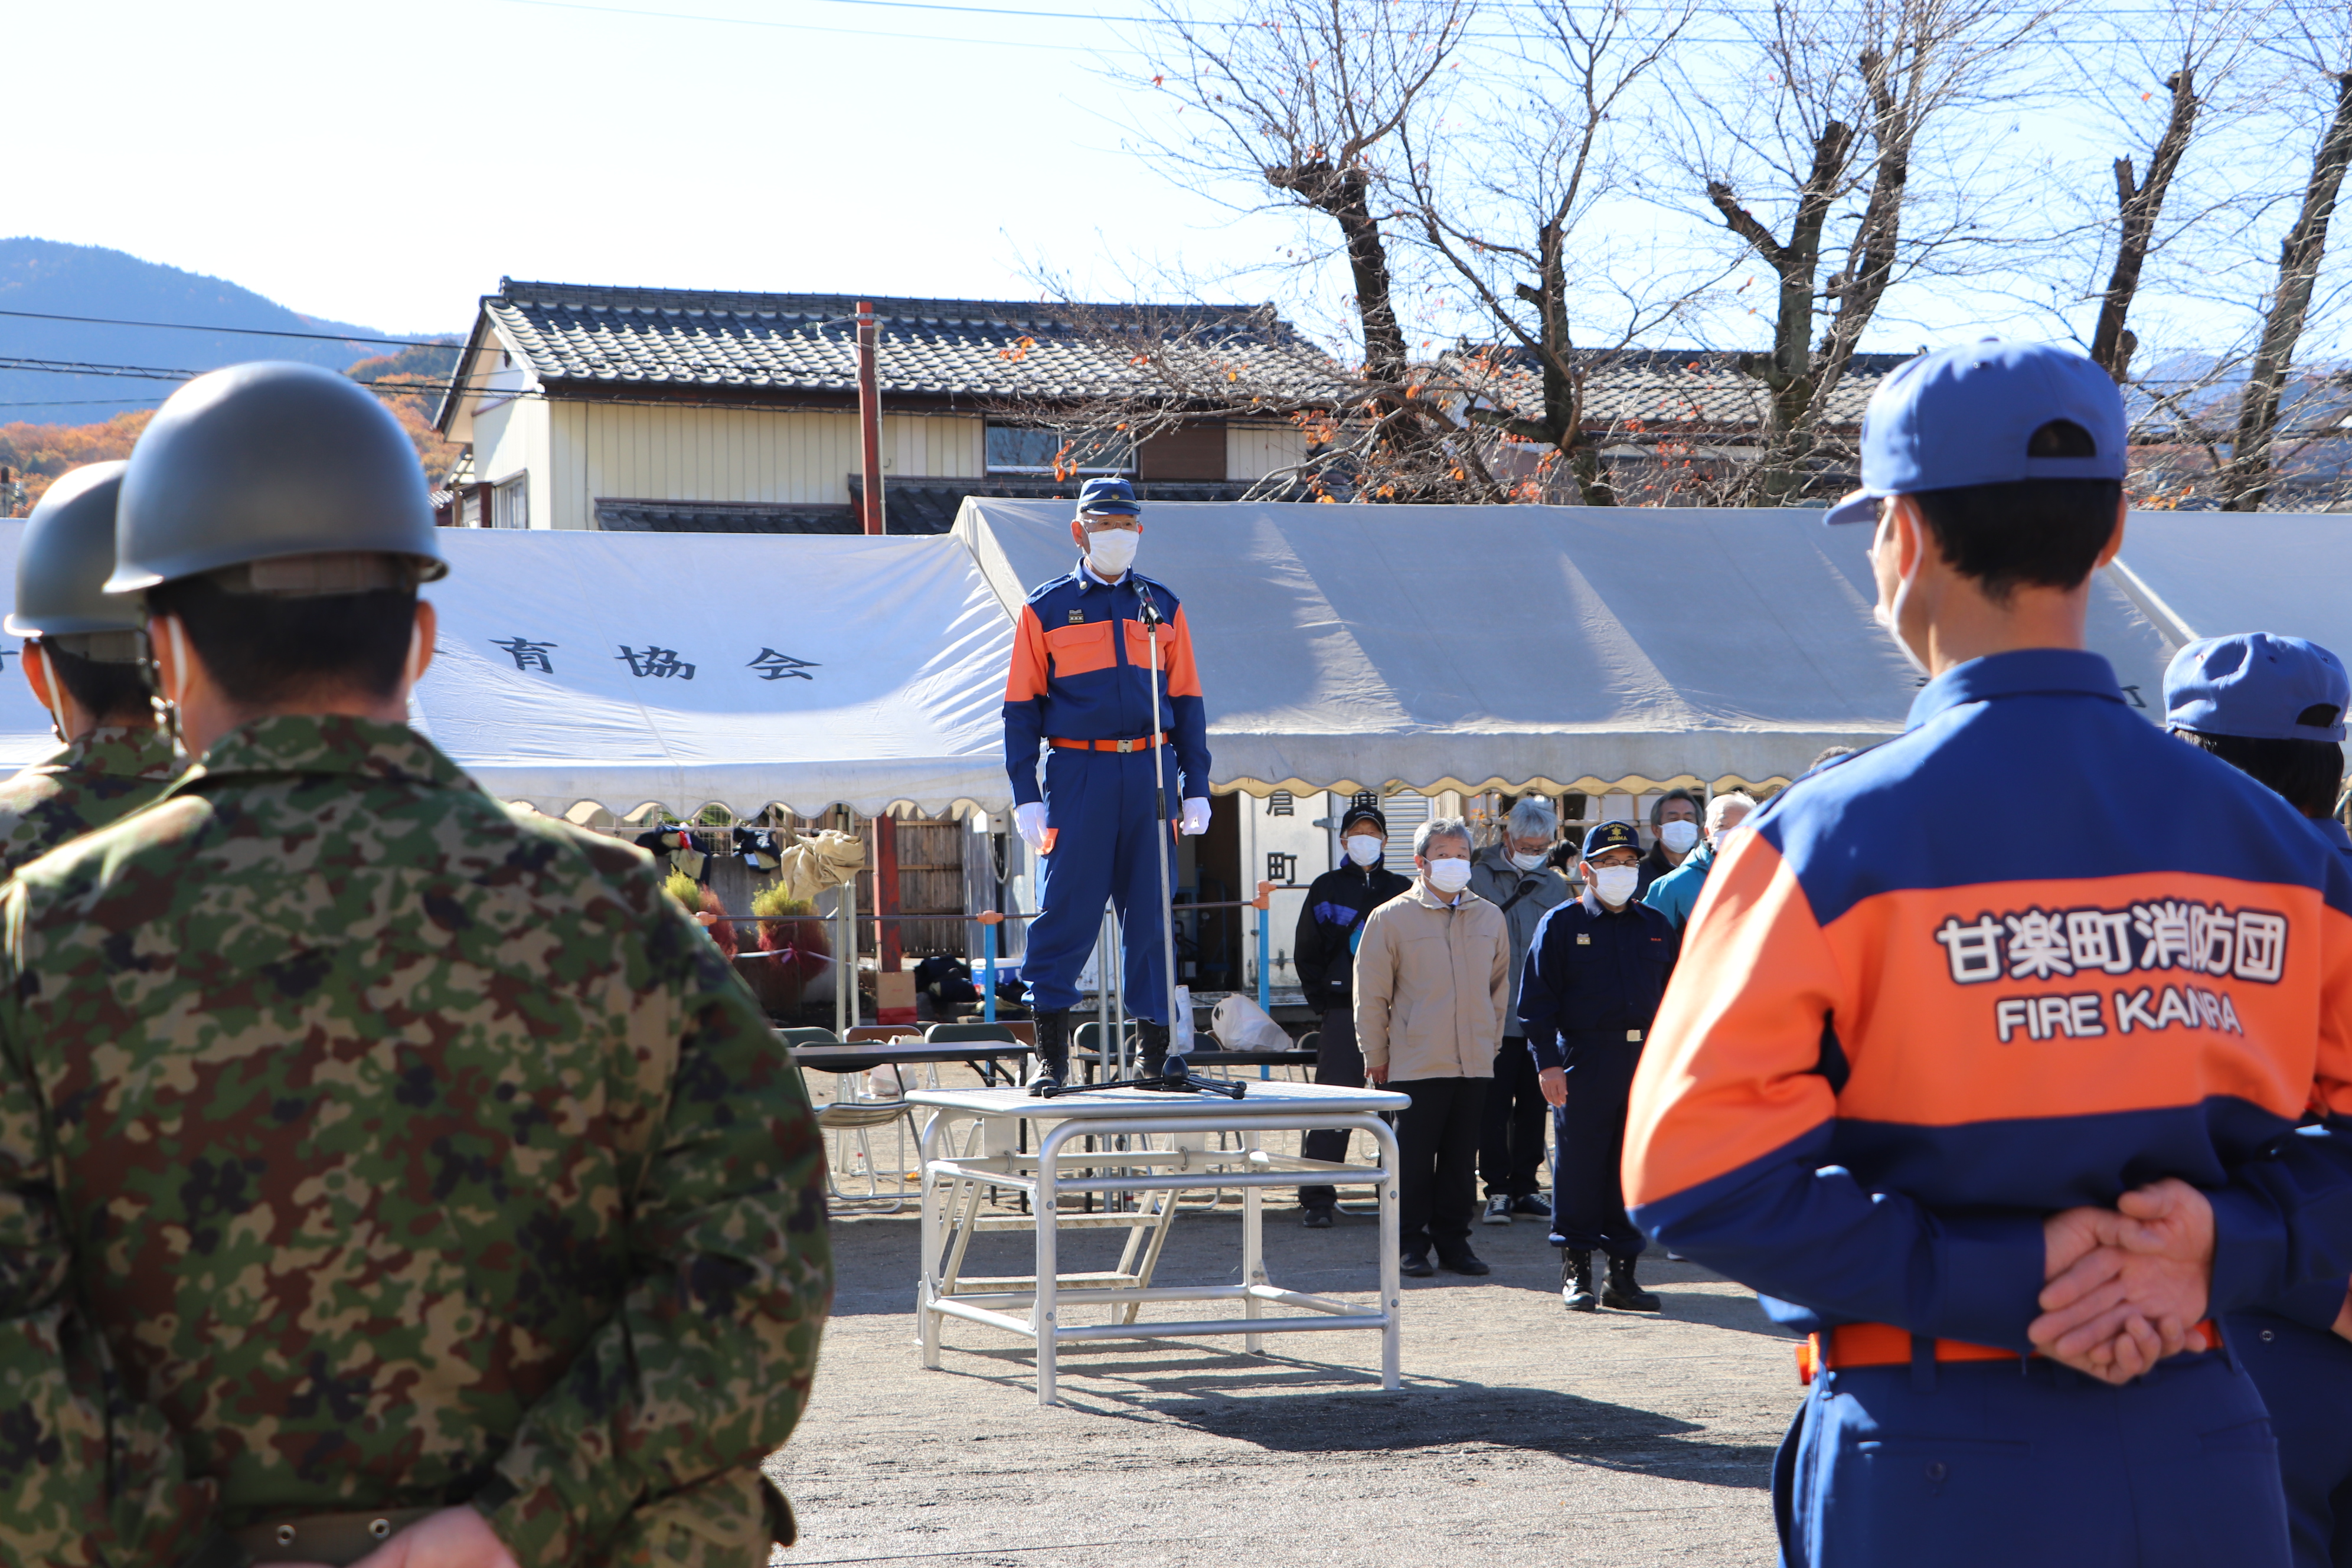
x=1636 y=391
x=588 y=342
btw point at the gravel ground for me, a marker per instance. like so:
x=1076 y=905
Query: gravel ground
x=1523 y=1433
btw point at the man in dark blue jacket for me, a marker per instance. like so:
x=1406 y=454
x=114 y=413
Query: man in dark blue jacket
x=1593 y=979
x=1324 y=953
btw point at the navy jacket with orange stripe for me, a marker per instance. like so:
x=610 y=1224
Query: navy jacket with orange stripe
x=1081 y=671
x=2030 y=955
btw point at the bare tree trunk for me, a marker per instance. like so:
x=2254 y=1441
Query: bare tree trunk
x=2138 y=207
x=2248 y=480
x=1788 y=372
x=1344 y=195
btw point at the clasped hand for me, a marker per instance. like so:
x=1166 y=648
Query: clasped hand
x=2126 y=1286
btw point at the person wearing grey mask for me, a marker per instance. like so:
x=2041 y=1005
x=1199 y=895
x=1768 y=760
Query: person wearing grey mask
x=1592 y=983
x=1514 y=874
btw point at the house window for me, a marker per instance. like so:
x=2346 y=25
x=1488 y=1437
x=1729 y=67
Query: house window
x=1035 y=449
x=510 y=503
x=1279 y=803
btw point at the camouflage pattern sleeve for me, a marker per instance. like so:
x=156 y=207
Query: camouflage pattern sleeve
x=87 y=1474
x=706 y=1367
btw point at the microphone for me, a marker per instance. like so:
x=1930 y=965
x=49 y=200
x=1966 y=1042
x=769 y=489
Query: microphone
x=1151 y=607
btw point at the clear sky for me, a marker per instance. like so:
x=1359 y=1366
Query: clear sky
x=385 y=163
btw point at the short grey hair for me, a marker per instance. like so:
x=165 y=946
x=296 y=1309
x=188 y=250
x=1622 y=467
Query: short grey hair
x=1723 y=803
x=1658 y=807
x=1532 y=817
x=1440 y=827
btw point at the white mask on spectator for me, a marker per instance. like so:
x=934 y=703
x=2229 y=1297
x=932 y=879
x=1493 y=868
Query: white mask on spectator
x=1111 y=551
x=1615 y=884
x=1450 y=875
x=1528 y=862
x=1363 y=848
x=1678 y=837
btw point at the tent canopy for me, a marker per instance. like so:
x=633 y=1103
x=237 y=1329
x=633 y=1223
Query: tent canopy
x=1341 y=647
x=736 y=668
x=1350 y=646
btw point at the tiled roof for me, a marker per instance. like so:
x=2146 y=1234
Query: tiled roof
x=617 y=339
x=1659 y=390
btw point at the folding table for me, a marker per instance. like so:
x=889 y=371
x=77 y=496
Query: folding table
x=1032 y=1305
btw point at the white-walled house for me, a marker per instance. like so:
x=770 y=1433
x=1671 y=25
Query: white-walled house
x=672 y=410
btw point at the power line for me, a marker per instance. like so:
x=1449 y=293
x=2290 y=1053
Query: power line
x=241 y=331
x=1723 y=14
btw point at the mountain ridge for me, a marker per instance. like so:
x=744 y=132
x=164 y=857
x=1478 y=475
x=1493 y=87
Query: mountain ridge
x=53 y=278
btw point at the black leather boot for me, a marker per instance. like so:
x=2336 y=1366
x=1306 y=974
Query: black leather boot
x=1623 y=1293
x=1052 y=1052
x=1576 y=1282
x=1156 y=1064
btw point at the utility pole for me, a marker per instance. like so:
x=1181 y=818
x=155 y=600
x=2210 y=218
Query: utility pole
x=869 y=417
x=12 y=493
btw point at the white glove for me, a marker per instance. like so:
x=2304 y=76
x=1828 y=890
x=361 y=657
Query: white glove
x=1029 y=821
x=1196 y=817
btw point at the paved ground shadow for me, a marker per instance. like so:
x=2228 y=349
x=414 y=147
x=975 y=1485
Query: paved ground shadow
x=1287 y=1405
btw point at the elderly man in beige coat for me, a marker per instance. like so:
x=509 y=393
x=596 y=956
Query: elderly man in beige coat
x=1433 y=987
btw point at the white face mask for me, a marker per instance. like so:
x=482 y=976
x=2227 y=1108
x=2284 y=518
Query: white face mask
x=1615 y=884
x=1364 y=849
x=1449 y=875
x=1885 y=616
x=1678 y=837
x=1111 y=551
x=1527 y=862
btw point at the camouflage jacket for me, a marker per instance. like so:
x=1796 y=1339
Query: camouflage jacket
x=363 y=1144
x=110 y=772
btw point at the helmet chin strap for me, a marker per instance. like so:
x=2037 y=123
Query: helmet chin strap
x=47 y=690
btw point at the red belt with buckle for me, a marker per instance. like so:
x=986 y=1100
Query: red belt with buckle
x=1140 y=743
x=1883 y=1345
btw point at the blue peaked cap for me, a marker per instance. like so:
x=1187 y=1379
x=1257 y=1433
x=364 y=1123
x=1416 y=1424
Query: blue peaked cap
x=2258 y=685
x=1611 y=836
x=1110 y=493
x=1964 y=415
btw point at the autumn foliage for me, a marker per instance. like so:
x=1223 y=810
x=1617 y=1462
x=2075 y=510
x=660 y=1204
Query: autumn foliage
x=37 y=454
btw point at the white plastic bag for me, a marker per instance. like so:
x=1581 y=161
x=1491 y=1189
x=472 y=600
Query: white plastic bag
x=1241 y=1025
x=1181 y=1036
x=886 y=1082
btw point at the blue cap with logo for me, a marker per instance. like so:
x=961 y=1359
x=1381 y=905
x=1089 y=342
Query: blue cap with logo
x=1970 y=415
x=2258 y=685
x=1111 y=494
x=1611 y=836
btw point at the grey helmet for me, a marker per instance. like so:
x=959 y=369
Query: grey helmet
x=268 y=463
x=62 y=565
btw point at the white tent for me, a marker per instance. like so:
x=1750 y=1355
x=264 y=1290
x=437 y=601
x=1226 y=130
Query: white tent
x=2208 y=573
x=743 y=670
x=1436 y=647
x=824 y=670
x=1552 y=647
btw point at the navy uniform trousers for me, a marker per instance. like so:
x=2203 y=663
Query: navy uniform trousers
x=1100 y=808
x=1588 y=1194
x=2026 y=1464
x=2305 y=1379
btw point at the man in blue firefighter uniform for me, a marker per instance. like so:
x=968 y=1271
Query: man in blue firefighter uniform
x=2272 y=707
x=1081 y=688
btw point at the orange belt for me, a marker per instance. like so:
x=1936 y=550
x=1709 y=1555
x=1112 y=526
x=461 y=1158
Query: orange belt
x=1141 y=744
x=1883 y=1345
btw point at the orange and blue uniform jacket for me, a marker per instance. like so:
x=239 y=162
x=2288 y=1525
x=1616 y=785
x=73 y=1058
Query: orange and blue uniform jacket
x=2030 y=955
x=1081 y=671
